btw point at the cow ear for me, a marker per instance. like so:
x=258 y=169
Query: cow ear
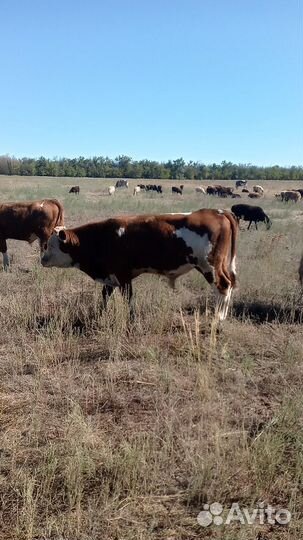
x=62 y=235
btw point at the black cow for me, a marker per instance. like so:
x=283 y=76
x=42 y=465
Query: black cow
x=251 y=214
x=75 y=189
x=177 y=190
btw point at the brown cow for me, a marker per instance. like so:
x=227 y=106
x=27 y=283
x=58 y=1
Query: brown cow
x=28 y=221
x=254 y=195
x=117 y=250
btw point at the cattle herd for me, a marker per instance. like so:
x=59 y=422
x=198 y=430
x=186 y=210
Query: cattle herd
x=115 y=251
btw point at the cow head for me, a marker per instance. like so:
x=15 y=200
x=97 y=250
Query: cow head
x=59 y=249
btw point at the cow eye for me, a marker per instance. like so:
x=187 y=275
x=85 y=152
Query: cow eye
x=45 y=246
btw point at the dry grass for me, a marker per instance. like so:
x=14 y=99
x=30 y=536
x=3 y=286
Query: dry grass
x=121 y=432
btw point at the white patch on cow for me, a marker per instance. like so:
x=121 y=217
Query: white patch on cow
x=121 y=231
x=222 y=305
x=233 y=265
x=53 y=256
x=5 y=261
x=220 y=211
x=179 y=213
x=201 y=246
x=42 y=204
x=59 y=228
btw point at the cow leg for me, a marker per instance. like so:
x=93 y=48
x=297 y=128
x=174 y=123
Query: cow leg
x=43 y=238
x=3 y=249
x=256 y=225
x=127 y=290
x=249 y=225
x=107 y=291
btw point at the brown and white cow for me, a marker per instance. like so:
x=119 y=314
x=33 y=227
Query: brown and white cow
x=293 y=196
x=117 y=250
x=28 y=221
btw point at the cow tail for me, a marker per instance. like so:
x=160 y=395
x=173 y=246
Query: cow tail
x=234 y=233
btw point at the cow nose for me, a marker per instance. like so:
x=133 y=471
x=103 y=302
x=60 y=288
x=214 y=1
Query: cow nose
x=44 y=260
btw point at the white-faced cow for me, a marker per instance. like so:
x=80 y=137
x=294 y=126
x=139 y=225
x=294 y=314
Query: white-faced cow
x=28 y=221
x=258 y=189
x=117 y=250
x=241 y=183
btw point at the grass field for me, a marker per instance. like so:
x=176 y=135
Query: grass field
x=123 y=432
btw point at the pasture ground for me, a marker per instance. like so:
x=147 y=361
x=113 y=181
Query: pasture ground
x=119 y=432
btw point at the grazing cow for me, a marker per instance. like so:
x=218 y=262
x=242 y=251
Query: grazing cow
x=245 y=190
x=236 y=196
x=254 y=195
x=111 y=190
x=224 y=191
x=177 y=190
x=293 y=196
x=142 y=187
x=240 y=183
x=137 y=190
x=29 y=221
x=211 y=190
x=251 y=214
x=122 y=184
x=117 y=250
x=200 y=189
x=75 y=189
x=258 y=189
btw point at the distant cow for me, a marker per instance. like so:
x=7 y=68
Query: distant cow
x=111 y=190
x=223 y=191
x=137 y=190
x=75 y=189
x=258 y=189
x=293 y=196
x=236 y=196
x=29 y=221
x=254 y=195
x=117 y=250
x=240 y=183
x=251 y=214
x=211 y=190
x=245 y=190
x=200 y=189
x=122 y=184
x=153 y=187
x=178 y=190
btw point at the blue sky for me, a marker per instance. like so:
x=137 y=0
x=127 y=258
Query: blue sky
x=205 y=80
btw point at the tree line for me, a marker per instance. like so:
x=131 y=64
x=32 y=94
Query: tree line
x=125 y=167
